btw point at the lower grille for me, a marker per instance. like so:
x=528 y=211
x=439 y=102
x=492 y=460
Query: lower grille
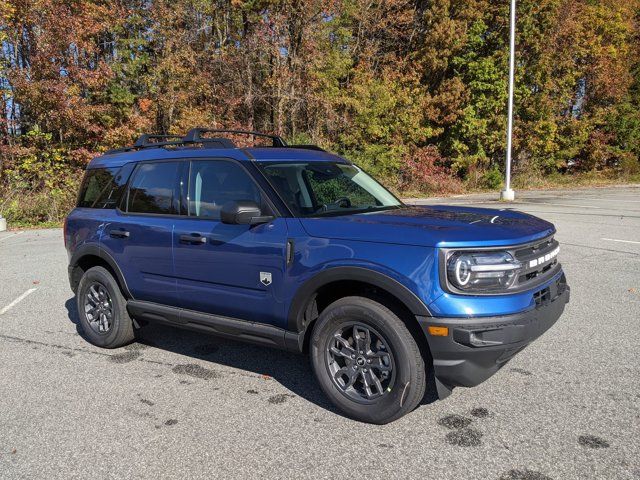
x=542 y=297
x=550 y=293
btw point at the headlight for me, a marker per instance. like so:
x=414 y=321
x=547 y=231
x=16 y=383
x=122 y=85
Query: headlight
x=482 y=271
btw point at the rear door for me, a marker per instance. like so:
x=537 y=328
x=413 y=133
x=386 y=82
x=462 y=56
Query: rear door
x=228 y=270
x=139 y=234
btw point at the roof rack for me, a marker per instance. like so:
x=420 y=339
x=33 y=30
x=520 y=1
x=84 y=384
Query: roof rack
x=143 y=140
x=195 y=135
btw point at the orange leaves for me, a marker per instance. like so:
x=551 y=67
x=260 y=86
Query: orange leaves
x=144 y=104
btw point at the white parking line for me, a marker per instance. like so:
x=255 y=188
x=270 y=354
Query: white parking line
x=17 y=300
x=621 y=241
x=11 y=235
x=617 y=200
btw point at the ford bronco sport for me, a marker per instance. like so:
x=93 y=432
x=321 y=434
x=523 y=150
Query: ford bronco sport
x=293 y=247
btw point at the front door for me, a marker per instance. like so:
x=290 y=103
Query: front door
x=229 y=270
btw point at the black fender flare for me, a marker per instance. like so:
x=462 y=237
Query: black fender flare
x=295 y=318
x=91 y=249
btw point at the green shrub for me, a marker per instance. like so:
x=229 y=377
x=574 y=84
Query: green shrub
x=32 y=207
x=629 y=164
x=492 y=178
x=39 y=185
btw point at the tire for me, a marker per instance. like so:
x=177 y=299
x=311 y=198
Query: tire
x=120 y=326
x=398 y=392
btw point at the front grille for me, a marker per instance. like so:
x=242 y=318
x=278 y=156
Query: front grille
x=533 y=250
x=538 y=260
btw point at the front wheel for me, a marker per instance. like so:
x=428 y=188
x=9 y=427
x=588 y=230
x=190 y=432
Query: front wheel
x=366 y=361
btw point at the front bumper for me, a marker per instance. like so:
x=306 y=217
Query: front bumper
x=476 y=348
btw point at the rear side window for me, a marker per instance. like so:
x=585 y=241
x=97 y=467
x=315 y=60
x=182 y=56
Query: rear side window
x=153 y=189
x=102 y=187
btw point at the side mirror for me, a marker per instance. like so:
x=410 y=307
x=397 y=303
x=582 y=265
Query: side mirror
x=243 y=212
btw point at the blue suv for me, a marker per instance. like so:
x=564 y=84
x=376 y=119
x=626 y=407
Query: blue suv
x=293 y=247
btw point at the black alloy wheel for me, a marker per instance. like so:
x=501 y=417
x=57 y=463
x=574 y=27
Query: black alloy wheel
x=360 y=363
x=98 y=308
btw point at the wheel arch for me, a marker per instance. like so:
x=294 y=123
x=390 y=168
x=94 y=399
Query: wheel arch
x=337 y=282
x=90 y=255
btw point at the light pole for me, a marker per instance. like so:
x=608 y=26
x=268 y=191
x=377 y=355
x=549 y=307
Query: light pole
x=508 y=193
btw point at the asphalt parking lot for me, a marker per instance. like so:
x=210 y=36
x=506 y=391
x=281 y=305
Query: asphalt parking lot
x=182 y=405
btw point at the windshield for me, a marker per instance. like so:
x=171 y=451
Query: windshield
x=325 y=188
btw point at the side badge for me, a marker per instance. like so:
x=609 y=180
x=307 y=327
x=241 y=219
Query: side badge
x=265 y=278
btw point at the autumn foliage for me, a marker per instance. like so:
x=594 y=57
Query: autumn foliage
x=414 y=91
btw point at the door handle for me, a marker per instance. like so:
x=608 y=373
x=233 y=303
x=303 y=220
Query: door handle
x=194 y=239
x=119 y=234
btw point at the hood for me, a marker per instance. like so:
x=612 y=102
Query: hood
x=433 y=226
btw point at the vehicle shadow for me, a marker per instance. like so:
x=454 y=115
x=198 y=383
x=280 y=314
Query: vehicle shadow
x=293 y=371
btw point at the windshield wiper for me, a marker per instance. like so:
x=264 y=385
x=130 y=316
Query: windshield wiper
x=368 y=209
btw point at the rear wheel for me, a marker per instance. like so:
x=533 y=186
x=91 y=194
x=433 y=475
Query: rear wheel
x=102 y=310
x=366 y=361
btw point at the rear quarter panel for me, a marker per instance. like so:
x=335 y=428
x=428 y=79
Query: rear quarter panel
x=84 y=225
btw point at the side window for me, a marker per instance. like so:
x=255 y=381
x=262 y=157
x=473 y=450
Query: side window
x=102 y=187
x=212 y=183
x=153 y=189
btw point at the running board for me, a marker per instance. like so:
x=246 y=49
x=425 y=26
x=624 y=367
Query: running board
x=242 y=330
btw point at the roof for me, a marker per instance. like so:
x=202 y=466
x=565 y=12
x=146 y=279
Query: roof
x=267 y=154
